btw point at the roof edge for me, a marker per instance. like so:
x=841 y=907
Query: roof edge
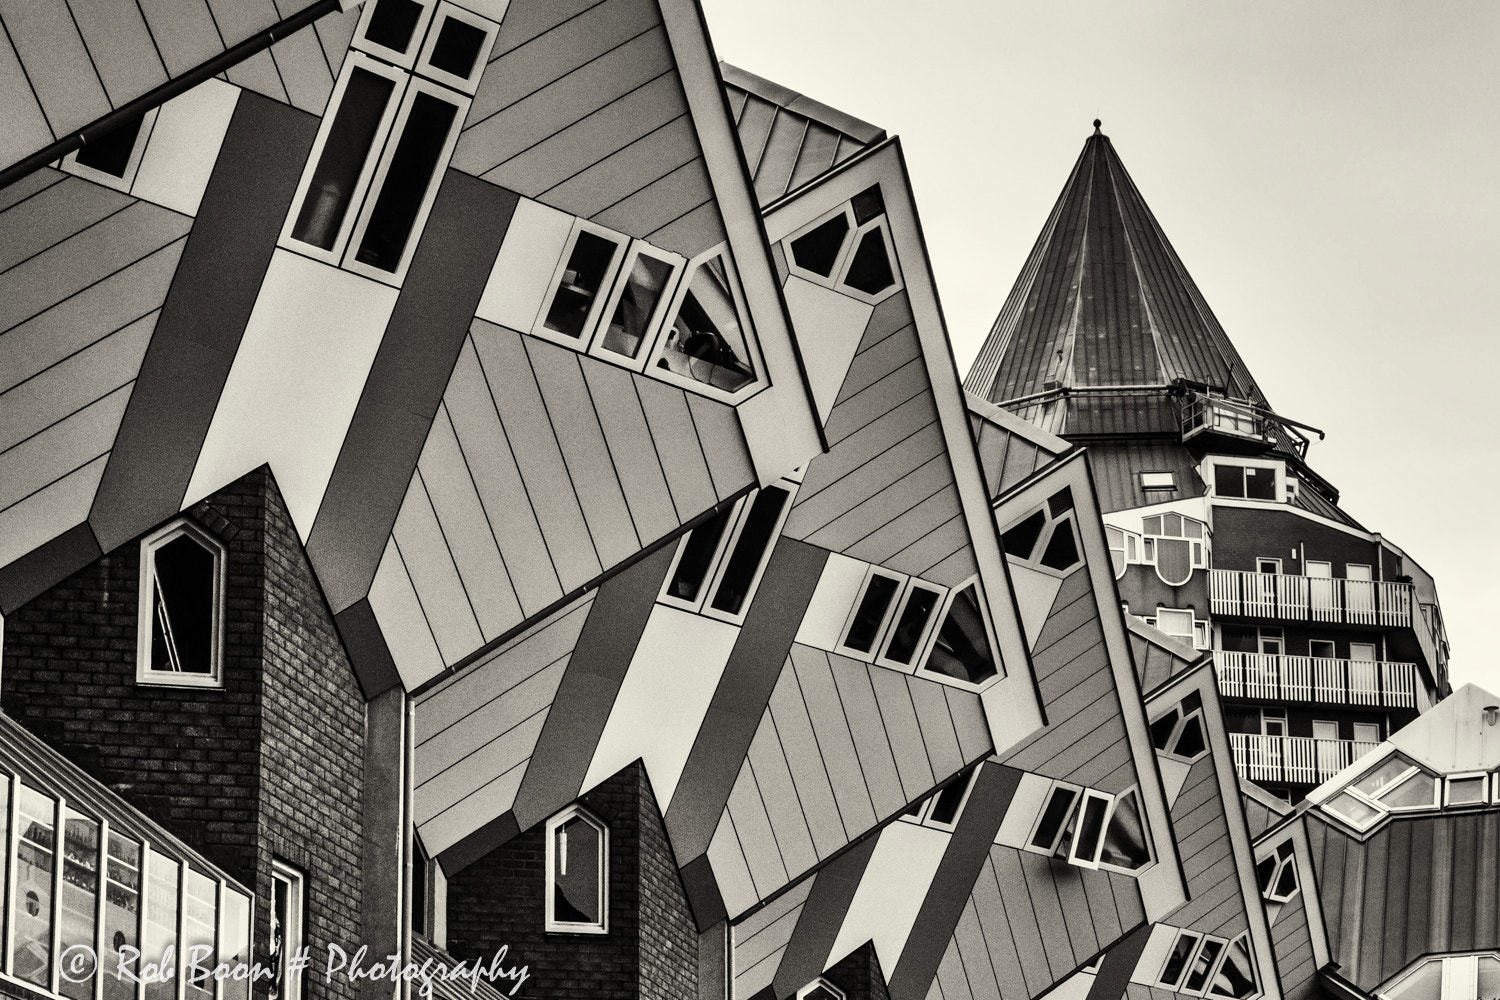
x=786 y=97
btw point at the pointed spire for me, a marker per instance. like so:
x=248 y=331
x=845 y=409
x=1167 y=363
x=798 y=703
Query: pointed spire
x=1104 y=300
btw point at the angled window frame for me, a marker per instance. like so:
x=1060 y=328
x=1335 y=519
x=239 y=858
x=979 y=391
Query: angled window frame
x=659 y=314
x=756 y=362
x=1225 y=951
x=1090 y=858
x=705 y=586
x=810 y=991
x=842 y=270
x=846 y=249
x=376 y=185
x=145 y=612
x=1449 y=779
x=1049 y=848
x=878 y=642
x=1221 y=945
x=929 y=627
x=1148 y=840
x=539 y=327
x=407 y=58
x=726 y=554
x=1174 y=984
x=1283 y=857
x=924 y=817
x=462 y=84
x=123 y=184
x=552 y=924
x=359 y=194
x=954 y=593
x=1178 y=728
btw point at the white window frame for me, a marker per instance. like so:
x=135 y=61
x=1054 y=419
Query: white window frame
x=553 y=925
x=1268 y=891
x=376 y=186
x=405 y=59
x=1267 y=715
x=944 y=607
x=122 y=184
x=1213 y=966
x=1465 y=775
x=654 y=324
x=1207 y=469
x=1149 y=483
x=146 y=608
x=714 y=575
x=1140 y=806
x=1052 y=523
x=1377 y=800
x=1358 y=725
x=581 y=343
x=293 y=937
x=822 y=983
x=1050 y=851
x=462 y=84
x=929 y=628
x=1130 y=548
x=658 y=349
x=901 y=580
x=362 y=185
x=1177 y=730
x=923 y=816
x=1187 y=965
x=842 y=270
x=846 y=250
x=1091 y=861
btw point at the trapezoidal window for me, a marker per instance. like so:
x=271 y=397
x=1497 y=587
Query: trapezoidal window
x=1179 y=733
x=706 y=342
x=577 y=873
x=1047 y=538
x=112 y=159
x=848 y=249
x=1277 y=874
x=721 y=561
x=180 y=625
x=964 y=649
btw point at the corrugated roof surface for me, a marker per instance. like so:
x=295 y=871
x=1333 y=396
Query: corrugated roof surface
x=1104 y=300
x=1117 y=465
x=789 y=139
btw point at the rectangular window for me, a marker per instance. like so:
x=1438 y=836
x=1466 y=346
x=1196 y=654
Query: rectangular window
x=1229 y=481
x=1053 y=821
x=720 y=564
x=1321 y=649
x=288 y=909
x=199 y=937
x=1177 y=962
x=180 y=620
x=393 y=29
x=1273 y=721
x=1178 y=623
x=456 y=48
x=80 y=895
x=872 y=612
x=234 y=941
x=122 y=913
x=36 y=856
x=1088 y=840
x=1465 y=790
x=1260 y=484
x=580 y=284
x=159 y=939
x=1158 y=481
x=913 y=623
x=1366 y=732
x=639 y=302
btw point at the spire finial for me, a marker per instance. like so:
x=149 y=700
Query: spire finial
x=1097 y=123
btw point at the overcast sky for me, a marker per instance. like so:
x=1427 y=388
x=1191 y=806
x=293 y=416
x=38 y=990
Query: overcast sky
x=1327 y=171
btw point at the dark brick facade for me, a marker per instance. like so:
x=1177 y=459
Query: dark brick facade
x=859 y=975
x=651 y=949
x=271 y=765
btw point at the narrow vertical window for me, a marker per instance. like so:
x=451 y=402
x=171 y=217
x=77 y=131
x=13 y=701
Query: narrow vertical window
x=697 y=556
x=1203 y=965
x=1177 y=961
x=234 y=941
x=122 y=913
x=580 y=283
x=199 y=936
x=80 y=895
x=181 y=608
x=1126 y=844
x=1088 y=839
x=36 y=854
x=871 y=613
x=1054 y=818
x=351 y=138
x=639 y=303
x=911 y=624
x=744 y=566
x=287 y=915
x=159 y=942
x=407 y=183
x=577 y=873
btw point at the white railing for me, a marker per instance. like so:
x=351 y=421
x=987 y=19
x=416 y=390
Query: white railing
x=1304 y=598
x=1296 y=760
x=1275 y=677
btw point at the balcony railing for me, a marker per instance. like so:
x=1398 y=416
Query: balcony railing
x=1215 y=415
x=1316 y=678
x=1295 y=760
x=1310 y=598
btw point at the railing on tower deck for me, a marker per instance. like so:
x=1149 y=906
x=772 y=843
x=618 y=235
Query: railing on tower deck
x=1295 y=760
x=1204 y=414
x=1275 y=677
x=1310 y=598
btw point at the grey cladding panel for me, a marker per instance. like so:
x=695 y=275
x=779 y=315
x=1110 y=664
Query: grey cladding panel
x=903 y=731
x=631 y=450
x=794 y=728
x=677 y=443
x=831 y=727
x=875 y=756
x=723 y=445
x=52 y=215
x=26 y=126
x=304 y=70
x=56 y=62
x=121 y=47
x=184 y=32
x=767 y=761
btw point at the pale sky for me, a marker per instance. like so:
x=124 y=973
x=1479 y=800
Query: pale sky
x=1327 y=171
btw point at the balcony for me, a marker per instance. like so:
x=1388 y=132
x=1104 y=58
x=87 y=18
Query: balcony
x=1226 y=418
x=1309 y=598
x=1316 y=679
x=1295 y=760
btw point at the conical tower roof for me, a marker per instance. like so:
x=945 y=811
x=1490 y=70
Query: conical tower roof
x=1104 y=300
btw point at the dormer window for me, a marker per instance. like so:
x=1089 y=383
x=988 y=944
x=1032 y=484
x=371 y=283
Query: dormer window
x=577 y=873
x=180 y=623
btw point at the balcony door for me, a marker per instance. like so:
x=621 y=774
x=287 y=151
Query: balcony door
x=1359 y=591
x=1364 y=683
x=1267 y=574
x=1328 y=750
x=1321 y=590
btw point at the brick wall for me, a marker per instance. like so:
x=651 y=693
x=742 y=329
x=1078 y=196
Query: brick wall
x=651 y=947
x=859 y=975
x=269 y=765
